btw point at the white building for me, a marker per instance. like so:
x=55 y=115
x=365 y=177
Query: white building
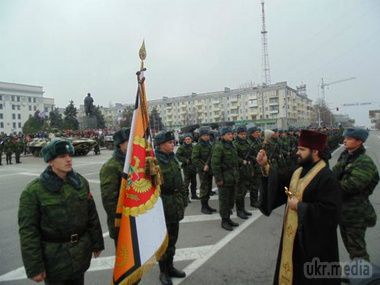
x=18 y=102
x=275 y=105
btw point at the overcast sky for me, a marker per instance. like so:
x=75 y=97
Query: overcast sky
x=73 y=47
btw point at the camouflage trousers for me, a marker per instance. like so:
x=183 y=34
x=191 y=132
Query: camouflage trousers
x=206 y=185
x=166 y=260
x=226 y=195
x=255 y=184
x=354 y=240
x=190 y=179
x=244 y=186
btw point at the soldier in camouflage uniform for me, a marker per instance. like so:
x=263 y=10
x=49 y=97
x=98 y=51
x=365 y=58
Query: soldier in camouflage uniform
x=19 y=148
x=184 y=153
x=255 y=142
x=358 y=177
x=201 y=158
x=110 y=179
x=8 y=149
x=58 y=223
x=224 y=163
x=246 y=171
x=174 y=199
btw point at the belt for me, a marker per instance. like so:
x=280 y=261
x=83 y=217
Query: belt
x=72 y=238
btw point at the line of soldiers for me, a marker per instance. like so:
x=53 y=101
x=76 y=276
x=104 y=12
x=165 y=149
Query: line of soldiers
x=10 y=145
x=231 y=160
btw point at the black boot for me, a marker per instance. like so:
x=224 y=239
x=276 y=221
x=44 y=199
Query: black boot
x=226 y=225
x=232 y=223
x=174 y=272
x=194 y=196
x=205 y=209
x=241 y=214
x=247 y=213
x=164 y=274
x=208 y=207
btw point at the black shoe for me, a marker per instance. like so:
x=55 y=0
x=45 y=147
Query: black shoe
x=206 y=210
x=174 y=272
x=254 y=204
x=247 y=213
x=241 y=215
x=165 y=279
x=226 y=225
x=232 y=223
x=210 y=209
x=195 y=197
x=212 y=193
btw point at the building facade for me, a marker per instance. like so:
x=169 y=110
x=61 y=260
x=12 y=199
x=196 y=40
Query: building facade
x=275 y=105
x=18 y=102
x=374 y=116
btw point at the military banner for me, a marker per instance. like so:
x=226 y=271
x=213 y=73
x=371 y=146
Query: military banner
x=140 y=215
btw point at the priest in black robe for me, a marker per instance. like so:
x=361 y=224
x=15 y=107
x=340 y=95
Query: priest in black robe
x=312 y=197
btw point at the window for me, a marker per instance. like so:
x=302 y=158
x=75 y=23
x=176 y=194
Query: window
x=14 y=116
x=1 y=116
x=34 y=100
x=13 y=98
x=14 y=125
x=1 y=97
x=35 y=108
x=19 y=125
x=2 y=125
x=19 y=116
x=18 y=98
x=13 y=107
x=1 y=106
x=46 y=109
x=30 y=100
x=30 y=108
x=18 y=107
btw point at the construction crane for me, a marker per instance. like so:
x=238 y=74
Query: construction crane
x=325 y=84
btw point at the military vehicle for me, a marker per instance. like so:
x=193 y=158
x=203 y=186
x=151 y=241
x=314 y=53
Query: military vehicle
x=108 y=142
x=82 y=146
x=35 y=145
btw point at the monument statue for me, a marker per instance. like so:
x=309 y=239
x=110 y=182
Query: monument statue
x=88 y=105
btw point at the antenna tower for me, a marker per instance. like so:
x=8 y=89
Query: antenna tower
x=265 y=63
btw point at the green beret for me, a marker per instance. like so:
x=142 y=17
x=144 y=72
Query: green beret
x=121 y=136
x=163 y=137
x=356 y=133
x=225 y=130
x=55 y=148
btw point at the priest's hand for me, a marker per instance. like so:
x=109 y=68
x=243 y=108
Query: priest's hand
x=293 y=203
x=262 y=158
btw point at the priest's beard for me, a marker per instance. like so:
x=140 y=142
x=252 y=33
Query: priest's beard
x=305 y=162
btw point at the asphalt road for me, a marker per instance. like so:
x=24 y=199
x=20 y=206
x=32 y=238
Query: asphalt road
x=209 y=254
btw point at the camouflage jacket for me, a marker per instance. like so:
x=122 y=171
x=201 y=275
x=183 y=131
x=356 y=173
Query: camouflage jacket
x=183 y=154
x=110 y=178
x=173 y=194
x=9 y=146
x=201 y=155
x=52 y=209
x=244 y=150
x=224 y=163
x=358 y=177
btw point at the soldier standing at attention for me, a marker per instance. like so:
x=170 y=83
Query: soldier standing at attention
x=174 y=199
x=58 y=223
x=8 y=149
x=110 y=179
x=224 y=163
x=19 y=148
x=190 y=174
x=246 y=171
x=1 y=148
x=255 y=142
x=358 y=176
x=201 y=158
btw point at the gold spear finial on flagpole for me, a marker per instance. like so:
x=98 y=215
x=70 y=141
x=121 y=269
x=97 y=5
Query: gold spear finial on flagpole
x=142 y=54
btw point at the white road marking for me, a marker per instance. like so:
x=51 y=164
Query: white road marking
x=105 y=263
x=29 y=173
x=216 y=247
